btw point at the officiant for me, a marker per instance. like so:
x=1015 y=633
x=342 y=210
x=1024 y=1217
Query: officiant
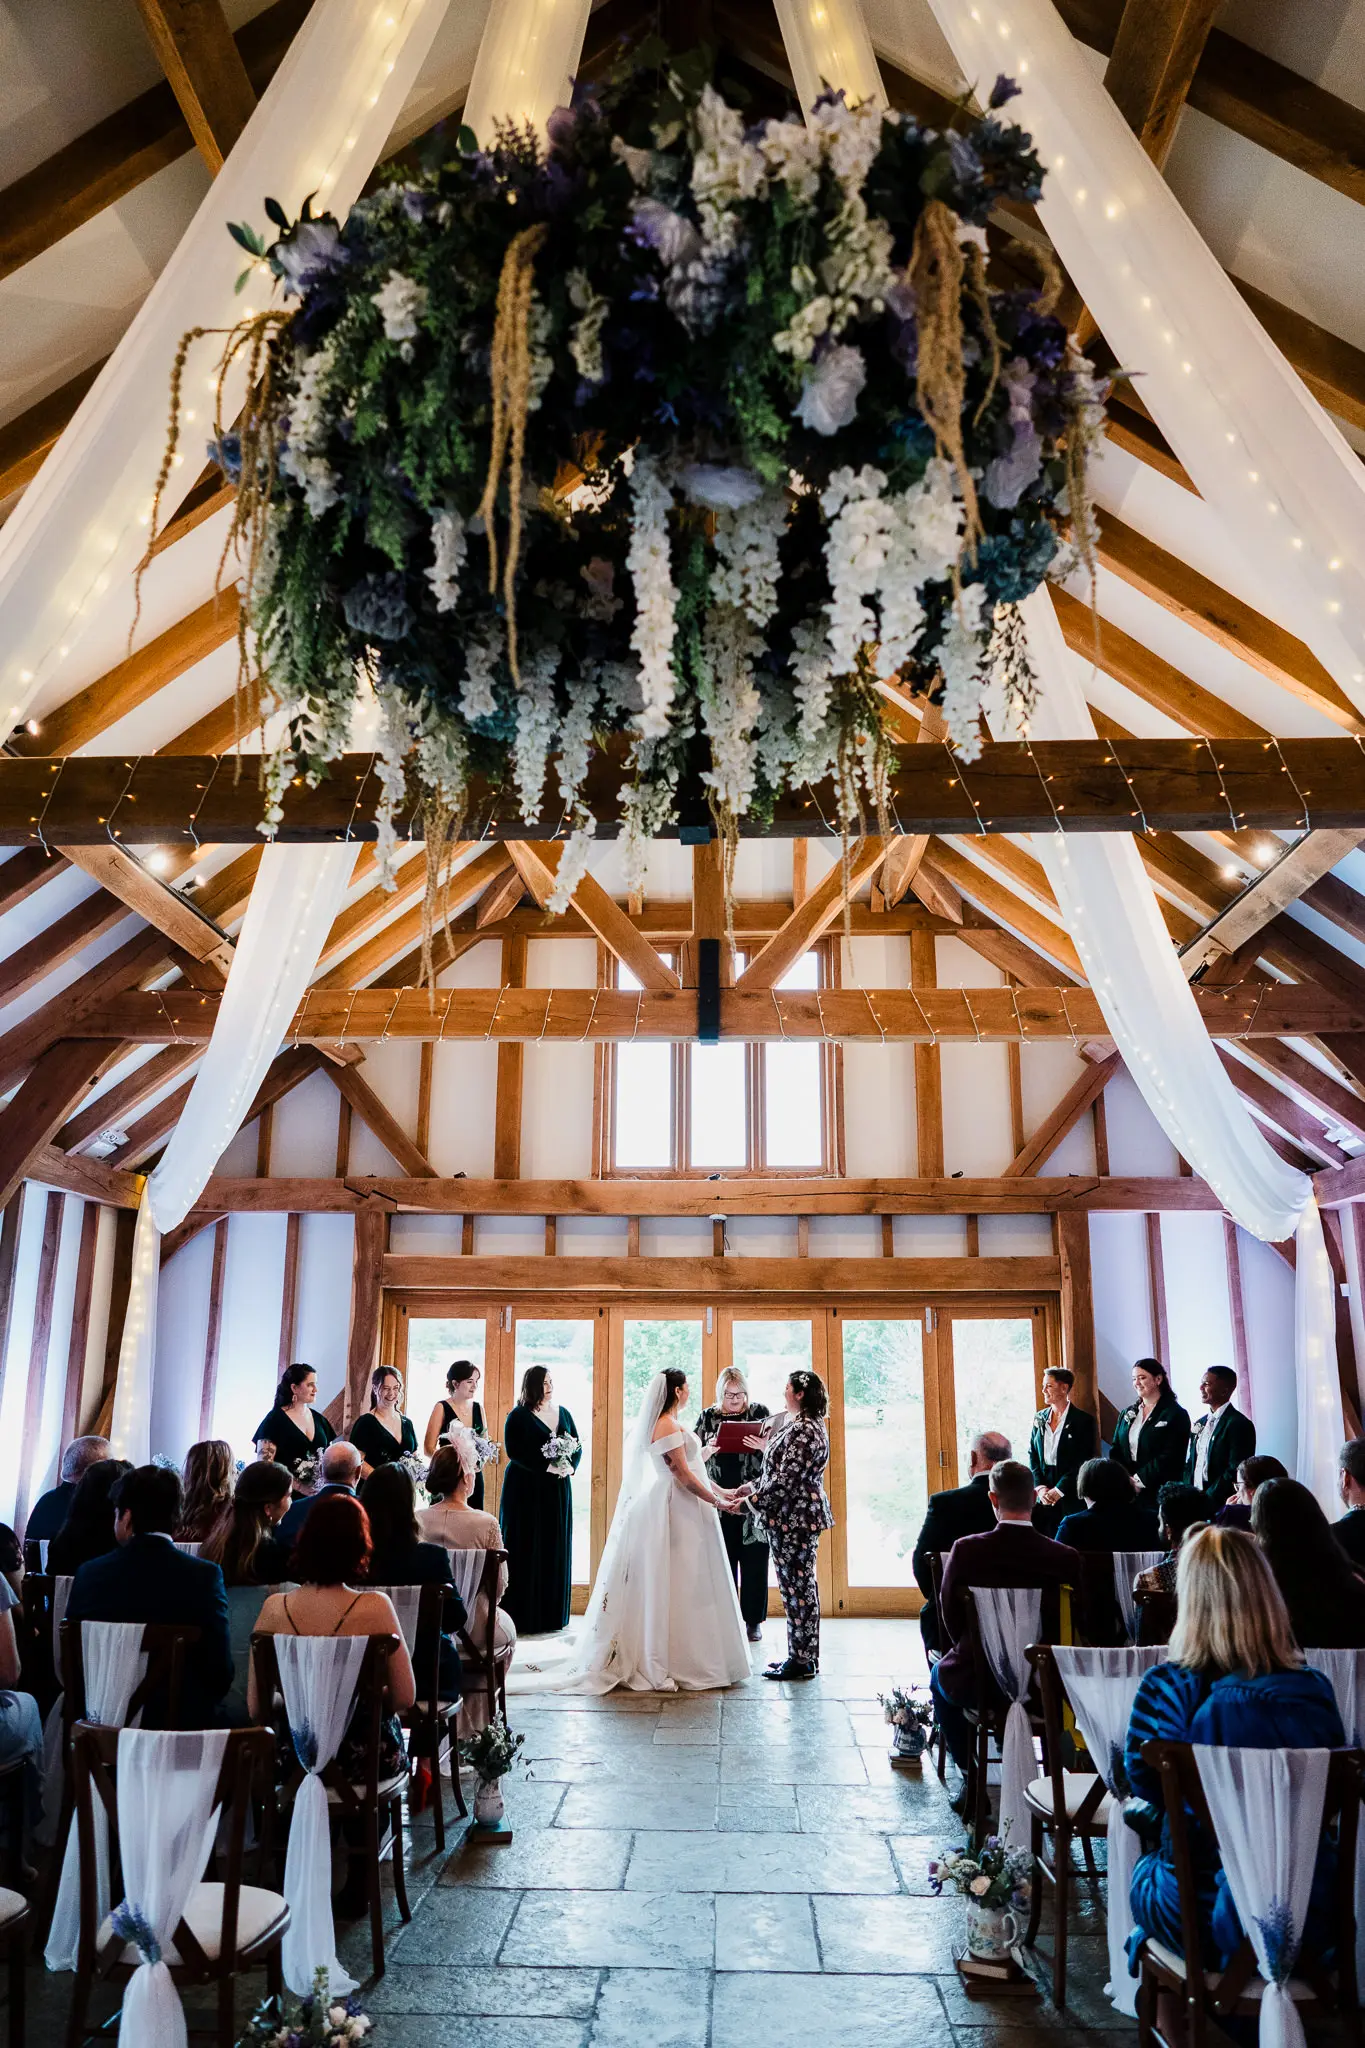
x=746 y=1545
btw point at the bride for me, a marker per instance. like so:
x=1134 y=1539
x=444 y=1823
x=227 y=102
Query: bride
x=664 y=1615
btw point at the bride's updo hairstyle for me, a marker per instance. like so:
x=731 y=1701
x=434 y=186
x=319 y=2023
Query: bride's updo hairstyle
x=674 y=1382
x=809 y=1390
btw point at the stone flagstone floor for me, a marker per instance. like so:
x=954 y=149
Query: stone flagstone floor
x=703 y=1871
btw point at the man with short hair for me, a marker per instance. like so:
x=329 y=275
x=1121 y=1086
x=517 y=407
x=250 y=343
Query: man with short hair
x=1180 y=1508
x=51 y=1508
x=1220 y=1440
x=1251 y=1473
x=1013 y=1553
x=340 y=1474
x=1350 y=1530
x=145 y=1578
x=1063 y=1438
x=959 y=1511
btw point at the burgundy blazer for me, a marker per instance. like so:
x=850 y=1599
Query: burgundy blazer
x=1010 y=1554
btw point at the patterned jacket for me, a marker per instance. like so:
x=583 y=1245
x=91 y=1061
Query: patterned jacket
x=790 y=1497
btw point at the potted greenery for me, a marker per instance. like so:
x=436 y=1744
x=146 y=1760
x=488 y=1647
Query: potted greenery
x=318 y=2021
x=490 y=1754
x=995 y=1881
x=911 y=1715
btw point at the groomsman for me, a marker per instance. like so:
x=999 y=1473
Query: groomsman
x=1219 y=1440
x=1062 y=1439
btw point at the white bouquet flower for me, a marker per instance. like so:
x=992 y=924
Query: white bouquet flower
x=560 y=1453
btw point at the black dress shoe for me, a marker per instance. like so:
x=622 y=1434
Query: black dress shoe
x=791 y=1668
x=755 y=1635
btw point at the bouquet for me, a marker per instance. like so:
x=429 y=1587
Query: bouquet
x=492 y=1752
x=560 y=1452
x=306 y=1474
x=904 y=1709
x=312 y=2022
x=415 y=1467
x=486 y=1451
x=995 y=1876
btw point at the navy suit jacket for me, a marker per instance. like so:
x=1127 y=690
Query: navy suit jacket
x=291 y=1528
x=148 y=1579
x=49 y=1512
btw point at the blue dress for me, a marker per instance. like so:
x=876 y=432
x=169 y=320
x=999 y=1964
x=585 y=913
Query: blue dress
x=1281 y=1710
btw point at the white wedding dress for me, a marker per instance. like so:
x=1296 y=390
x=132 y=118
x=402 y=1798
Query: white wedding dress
x=664 y=1615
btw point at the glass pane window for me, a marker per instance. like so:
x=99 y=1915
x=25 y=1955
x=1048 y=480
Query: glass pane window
x=993 y=1383
x=768 y=1353
x=564 y=1347
x=654 y=1344
x=642 y=1127
x=720 y=1109
x=434 y=1344
x=884 y=1449
x=793 y=1106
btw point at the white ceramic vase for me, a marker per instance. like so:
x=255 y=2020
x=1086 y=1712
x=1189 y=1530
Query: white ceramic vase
x=992 y=1931
x=488 y=1804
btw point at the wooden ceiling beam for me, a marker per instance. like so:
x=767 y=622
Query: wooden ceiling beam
x=66 y=936
x=1157 y=682
x=1064 y=1118
x=538 y=863
x=285 y=1073
x=64 y=1073
x=112 y=696
x=108 y=1110
x=392 y=939
x=180 y=917
x=1262 y=900
x=25 y=440
x=1157 y=48
x=89 y=1178
x=203 y=66
x=500 y=897
x=813 y=916
x=382 y=1122
x=1290 y=1117
x=24 y=872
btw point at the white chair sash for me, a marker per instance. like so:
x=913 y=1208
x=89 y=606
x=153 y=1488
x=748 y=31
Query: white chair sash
x=318 y=1676
x=61 y=1595
x=1009 y=1618
x=53 y=1776
x=1266 y=1808
x=166 y=1823
x=111 y=1654
x=466 y=1568
x=43 y=1542
x=1345 y=1672
x=1127 y=1565
x=190 y=1549
x=1101 y=1686
x=406 y=1602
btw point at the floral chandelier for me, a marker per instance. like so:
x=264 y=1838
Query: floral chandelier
x=673 y=436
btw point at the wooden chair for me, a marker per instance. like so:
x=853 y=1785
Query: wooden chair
x=37 y=1648
x=432 y=1723
x=1098 y=1619
x=14 y=1907
x=1155 y=1617
x=228 y=1926
x=1213 y=1995
x=938 y=1741
x=484 y=1669
x=988 y=1715
x=375 y=1802
x=1065 y=1805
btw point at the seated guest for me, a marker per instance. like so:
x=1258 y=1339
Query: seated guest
x=1062 y=1439
x=331 y=1560
x=1152 y=1437
x=294 y=1431
x=206 y=1477
x=1319 y=1585
x=1014 y=1553
x=1233 y=1680
x=21 y=1724
x=51 y=1509
x=340 y=1474
x=958 y=1511
x=1219 y=1440
x=145 y=1578
x=1251 y=1473
x=88 y=1530
x=244 y=1546
x=11 y=1558
x=1180 y=1509
x=452 y=1522
x=1111 y=1517
x=1350 y=1530
x=401 y=1558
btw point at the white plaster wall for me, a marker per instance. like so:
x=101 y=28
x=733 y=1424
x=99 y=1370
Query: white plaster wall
x=1123 y=1300
x=556 y=1111
x=18 y=1346
x=879 y=1112
x=1268 y=1291
x=323 y=1312
x=303 y=1133
x=182 y=1313
x=1198 y=1306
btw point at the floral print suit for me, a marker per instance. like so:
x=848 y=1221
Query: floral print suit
x=790 y=1502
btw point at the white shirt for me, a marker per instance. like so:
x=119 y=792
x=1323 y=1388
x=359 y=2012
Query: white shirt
x=1052 y=1433
x=1201 y=1456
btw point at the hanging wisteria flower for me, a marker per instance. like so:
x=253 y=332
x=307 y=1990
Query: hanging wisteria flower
x=678 y=431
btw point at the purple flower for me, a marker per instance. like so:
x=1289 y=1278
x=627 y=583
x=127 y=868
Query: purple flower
x=1009 y=475
x=378 y=607
x=829 y=397
x=669 y=234
x=561 y=127
x=1003 y=91
x=308 y=255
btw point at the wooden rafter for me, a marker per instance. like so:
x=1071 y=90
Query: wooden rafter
x=538 y=864
x=137 y=889
x=386 y=1127
x=1068 y=1113
x=122 y=689
x=1157 y=682
x=203 y=65
x=392 y=939
x=814 y=915
x=1151 y=67
x=1296 y=1123
x=499 y=897
x=66 y=936
x=1264 y=898
x=107 y=1110
x=65 y=1072
x=146 y=1135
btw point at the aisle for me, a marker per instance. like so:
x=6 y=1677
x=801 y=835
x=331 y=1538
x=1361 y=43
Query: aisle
x=708 y=1872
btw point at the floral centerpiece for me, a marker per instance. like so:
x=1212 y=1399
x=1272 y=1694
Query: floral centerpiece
x=996 y=1882
x=560 y=1451
x=313 y=2022
x=490 y=1754
x=911 y=1714
x=653 y=448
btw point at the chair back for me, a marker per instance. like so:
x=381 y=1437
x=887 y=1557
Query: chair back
x=1345 y=1672
x=39 y=1640
x=1098 y=1617
x=1187 y=1809
x=1127 y=1565
x=161 y=1681
x=243 y=1777
x=938 y=1560
x=1156 y=1614
x=366 y=1718
x=406 y=1602
x=437 y=1619
x=190 y=1549
x=35 y=1553
x=479 y=1636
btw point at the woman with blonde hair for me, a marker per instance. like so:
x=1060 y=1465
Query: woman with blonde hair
x=1234 y=1680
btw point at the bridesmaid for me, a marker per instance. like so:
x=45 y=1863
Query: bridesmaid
x=294 y=1429
x=385 y=1434
x=1152 y=1437
x=536 y=1510
x=459 y=1405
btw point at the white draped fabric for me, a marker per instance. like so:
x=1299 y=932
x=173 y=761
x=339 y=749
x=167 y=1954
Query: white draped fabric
x=828 y=44
x=297 y=893
x=1127 y=1565
x=80 y=528
x=1101 y=1686
x=1266 y=1808
x=1345 y=1672
x=1261 y=450
x=166 y=1823
x=466 y=1568
x=111 y=1654
x=527 y=57
x=1009 y=1620
x=406 y=1602
x=318 y=1676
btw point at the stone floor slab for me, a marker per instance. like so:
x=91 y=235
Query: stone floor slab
x=496 y=1991
x=762 y=1863
x=666 y=2008
x=651 y=1804
x=836 y=2012
x=457 y=2031
x=791 y=1763
x=544 y=1859
x=663 y=1930
x=765 y=1931
x=456 y=1927
x=889 y=1937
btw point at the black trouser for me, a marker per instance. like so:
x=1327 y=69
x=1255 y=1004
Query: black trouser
x=749 y=1563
